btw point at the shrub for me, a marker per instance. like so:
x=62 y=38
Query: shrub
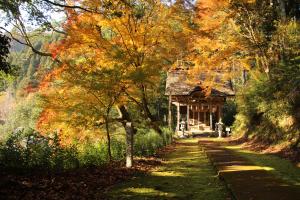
x=229 y=111
x=167 y=135
x=93 y=154
x=27 y=150
x=148 y=141
x=118 y=148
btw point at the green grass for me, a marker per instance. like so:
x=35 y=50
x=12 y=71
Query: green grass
x=281 y=168
x=185 y=173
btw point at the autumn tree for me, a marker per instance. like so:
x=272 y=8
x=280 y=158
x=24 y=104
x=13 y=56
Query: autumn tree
x=134 y=39
x=214 y=50
x=81 y=99
x=256 y=23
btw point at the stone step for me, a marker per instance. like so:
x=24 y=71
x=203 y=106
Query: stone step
x=201 y=128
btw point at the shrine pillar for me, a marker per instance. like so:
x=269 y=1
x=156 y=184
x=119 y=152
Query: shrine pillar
x=188 y=117
x=210 y=116
x=178 y=117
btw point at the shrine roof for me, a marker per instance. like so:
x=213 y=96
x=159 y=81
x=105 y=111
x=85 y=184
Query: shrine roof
x=183 y=83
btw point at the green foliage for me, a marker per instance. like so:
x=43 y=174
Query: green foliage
x=4 y=51
x=118 y=148
x=267 y=106
x=148 y=141
x=6 y=80
x=229 y=111
x=26 y=150
x=97 y=154
x=25 y=115
x=93 y=154
x=268 y=103
x=31 y=67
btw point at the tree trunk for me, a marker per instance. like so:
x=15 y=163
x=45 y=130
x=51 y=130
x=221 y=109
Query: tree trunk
x=129 y=144
x=148 y=113
x=130 y=131
x=108 y=140
x=282 y=9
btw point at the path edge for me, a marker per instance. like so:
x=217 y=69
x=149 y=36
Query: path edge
x=218 y=172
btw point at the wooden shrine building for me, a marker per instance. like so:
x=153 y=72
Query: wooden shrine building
x=199 y=111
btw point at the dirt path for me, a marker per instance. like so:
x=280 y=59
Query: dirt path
x=246 y=180
x=186 y=174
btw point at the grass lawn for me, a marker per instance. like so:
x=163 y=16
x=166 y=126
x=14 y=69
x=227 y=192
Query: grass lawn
x=186 y=173
x=280 y=167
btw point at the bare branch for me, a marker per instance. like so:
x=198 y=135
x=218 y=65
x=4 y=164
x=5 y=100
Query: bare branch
x=68 y=6
x=47 y=54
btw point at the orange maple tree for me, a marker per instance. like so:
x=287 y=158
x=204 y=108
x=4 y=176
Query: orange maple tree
x=112 y=55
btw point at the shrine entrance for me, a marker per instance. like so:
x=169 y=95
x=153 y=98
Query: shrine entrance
x=198 y=116
x=199 y=112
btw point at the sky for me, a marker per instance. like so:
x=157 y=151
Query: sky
x=54 y=16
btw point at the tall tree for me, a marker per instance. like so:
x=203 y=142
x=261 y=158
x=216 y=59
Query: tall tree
x=214 y=49
x=134 y=39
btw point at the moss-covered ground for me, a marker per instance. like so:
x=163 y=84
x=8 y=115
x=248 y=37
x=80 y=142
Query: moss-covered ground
x=185 y=173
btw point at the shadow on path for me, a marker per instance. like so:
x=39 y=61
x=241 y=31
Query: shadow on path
x=246 y=180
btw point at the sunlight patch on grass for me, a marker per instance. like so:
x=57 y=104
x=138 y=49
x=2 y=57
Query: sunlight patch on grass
x=141 y=190
x=167 y=173
x=245 y=168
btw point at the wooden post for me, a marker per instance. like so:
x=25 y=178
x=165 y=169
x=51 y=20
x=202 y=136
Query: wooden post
x=188 y=117
x=178 y=117
x=193 y=115
x=204 y=117
x=210 y=116
x=170 y=113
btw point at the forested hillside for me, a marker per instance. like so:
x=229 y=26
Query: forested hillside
x=31 y=67
x=268 y=104
x=19 y=100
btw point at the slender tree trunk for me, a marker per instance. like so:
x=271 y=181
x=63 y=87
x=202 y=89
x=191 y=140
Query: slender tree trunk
x=130 y=131
x=146 y=108
x=147 y=112
x=108 y=139
x=150 y=116
x=129 y=144
x=282 y=9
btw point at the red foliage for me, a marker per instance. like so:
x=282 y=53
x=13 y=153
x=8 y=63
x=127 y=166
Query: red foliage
x=44 y=119
x=50 y=77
